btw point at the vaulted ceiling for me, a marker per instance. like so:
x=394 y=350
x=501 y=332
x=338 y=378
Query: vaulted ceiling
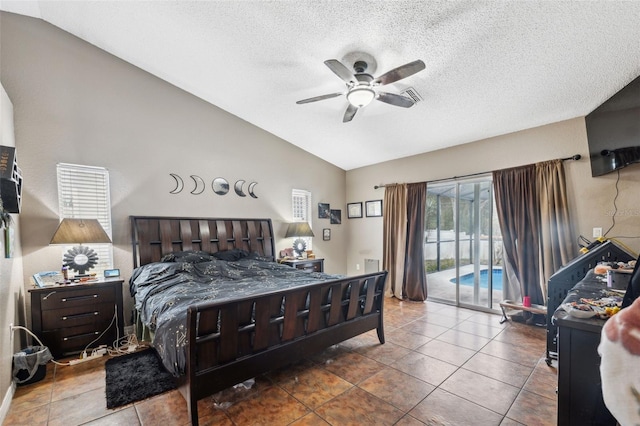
x=491 y=67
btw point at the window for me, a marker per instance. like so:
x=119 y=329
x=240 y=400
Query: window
x=83 y=193
x=301 y=210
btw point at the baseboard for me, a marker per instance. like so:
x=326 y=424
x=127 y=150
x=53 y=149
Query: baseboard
x=6 y=401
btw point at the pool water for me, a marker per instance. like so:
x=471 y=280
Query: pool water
x=467 y=279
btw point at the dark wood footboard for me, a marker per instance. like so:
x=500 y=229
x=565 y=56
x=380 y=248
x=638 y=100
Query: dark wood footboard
x=230 y=342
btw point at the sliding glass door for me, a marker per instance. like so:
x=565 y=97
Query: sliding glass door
x=463 y=247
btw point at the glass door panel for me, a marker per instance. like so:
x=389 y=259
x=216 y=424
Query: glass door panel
x=462 y=236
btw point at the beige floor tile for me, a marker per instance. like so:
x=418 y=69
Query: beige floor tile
x=79 y=408
x=315 y=386
x=447 y=352
x=385 y=354
x=444 y=408
x=273 y=406
x=487 y=392
x=354 y=367
x=500 y=369
x=532 y=409
x=425 y=368
x=397 y=388
x=357 y=407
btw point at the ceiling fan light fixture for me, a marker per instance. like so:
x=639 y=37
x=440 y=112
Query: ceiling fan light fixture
x=361 y=96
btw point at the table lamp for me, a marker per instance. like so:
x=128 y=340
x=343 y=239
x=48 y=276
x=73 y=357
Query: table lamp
x=297 y=230
x=80 y=231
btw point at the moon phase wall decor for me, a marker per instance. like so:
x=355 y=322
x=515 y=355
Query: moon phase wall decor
x=179 y=184
x=199 y=188
x=251 y=189
x=238 y=187
x=219 y=185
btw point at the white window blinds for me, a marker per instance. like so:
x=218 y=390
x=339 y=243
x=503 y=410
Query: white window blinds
x=301 y=210
x=83 y=193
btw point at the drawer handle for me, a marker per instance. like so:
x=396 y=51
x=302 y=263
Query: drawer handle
x=79 y=336
x=88 y=314
x=71 y=299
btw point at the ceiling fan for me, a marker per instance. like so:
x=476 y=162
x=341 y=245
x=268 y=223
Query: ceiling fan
x=362 y=87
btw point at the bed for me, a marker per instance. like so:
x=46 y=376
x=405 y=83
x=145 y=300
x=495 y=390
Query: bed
x=219 y=338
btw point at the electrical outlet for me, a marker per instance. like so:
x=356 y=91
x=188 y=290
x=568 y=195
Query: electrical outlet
x=128 y=330
x=357 y=266
x=597 y=232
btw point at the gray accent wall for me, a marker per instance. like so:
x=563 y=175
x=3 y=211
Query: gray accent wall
x=75 y=103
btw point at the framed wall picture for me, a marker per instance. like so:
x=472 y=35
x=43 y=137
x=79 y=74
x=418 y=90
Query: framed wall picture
x=324 y=211
x=374 y=208
x=326 y=234
x=336 y=217
x=354 y=210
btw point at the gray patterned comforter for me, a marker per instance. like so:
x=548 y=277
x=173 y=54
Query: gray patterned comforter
x=163 y=291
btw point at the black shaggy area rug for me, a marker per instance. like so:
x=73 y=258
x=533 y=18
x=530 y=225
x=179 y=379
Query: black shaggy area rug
x=136 y=376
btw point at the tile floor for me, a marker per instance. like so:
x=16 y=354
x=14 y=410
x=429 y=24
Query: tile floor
x=441 y=365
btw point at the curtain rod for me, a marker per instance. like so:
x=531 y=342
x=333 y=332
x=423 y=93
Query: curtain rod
x=382 y=185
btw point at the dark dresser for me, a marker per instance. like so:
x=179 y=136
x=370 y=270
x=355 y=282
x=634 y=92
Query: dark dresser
x=580 y=399
x=67 y=318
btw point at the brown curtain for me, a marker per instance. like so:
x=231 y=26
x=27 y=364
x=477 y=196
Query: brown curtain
x=518 y=214
x=534 y=220
x=415 y=283
x=556 y=240
x=394 y=237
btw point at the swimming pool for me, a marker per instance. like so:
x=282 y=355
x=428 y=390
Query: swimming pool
x=467 y=279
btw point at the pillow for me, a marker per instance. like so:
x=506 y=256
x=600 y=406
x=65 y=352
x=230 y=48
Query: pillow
x=231 y=255
x=190 y=256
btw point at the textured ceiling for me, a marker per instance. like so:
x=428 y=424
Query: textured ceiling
x=491 y=67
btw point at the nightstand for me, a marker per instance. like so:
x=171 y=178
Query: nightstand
x=69 y=317
x=309 y=265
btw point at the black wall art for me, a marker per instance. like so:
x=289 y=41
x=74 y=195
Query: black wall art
x=219 y=185
x=336 y=217
x=324 y=211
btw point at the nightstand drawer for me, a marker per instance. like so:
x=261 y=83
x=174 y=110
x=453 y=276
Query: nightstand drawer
x=95 y=314
x=74 y=339
x=310 y=267
x=80 y=297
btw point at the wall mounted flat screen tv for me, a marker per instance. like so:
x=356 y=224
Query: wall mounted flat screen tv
x=613 y=131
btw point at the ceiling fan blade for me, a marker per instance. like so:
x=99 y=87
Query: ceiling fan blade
x=349 y=113
x=399 y=73
x=340 y=70
x=393 y=99
x=320 y=98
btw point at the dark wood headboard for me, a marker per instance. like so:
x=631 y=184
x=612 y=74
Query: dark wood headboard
x=152 y=236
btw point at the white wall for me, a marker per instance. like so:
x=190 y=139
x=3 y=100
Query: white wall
x=75 y=103
x=590 y=199
x=12 y=308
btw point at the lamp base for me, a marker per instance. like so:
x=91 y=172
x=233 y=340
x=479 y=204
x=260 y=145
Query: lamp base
x=80 y=259
x=299 y=246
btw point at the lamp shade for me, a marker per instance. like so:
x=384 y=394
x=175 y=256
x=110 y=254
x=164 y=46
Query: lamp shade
x=79 y=231
x=299 y=229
